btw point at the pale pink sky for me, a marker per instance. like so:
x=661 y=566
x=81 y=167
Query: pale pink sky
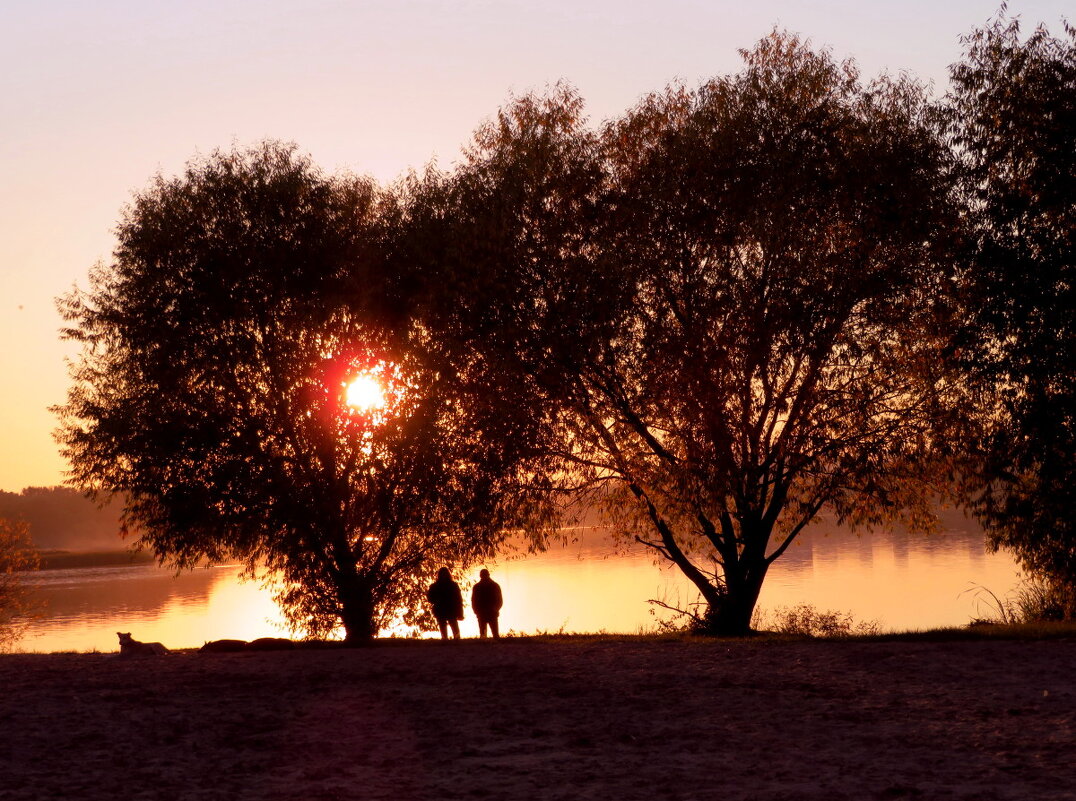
x=97 y=97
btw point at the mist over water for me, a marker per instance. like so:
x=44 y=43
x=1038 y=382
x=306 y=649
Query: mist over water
x=901 y=581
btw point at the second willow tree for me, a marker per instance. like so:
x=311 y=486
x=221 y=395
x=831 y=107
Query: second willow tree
x=729 y=298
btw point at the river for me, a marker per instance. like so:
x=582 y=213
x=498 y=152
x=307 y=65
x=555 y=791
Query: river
x=898 y=580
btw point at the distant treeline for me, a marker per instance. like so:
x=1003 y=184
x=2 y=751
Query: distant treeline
x=61 y=518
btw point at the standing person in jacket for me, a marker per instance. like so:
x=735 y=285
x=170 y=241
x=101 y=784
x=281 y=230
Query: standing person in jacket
x=486 y=601
x=447 y=601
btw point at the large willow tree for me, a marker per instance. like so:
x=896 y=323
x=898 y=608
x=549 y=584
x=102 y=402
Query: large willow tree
x=243 y=299
x=731 y=295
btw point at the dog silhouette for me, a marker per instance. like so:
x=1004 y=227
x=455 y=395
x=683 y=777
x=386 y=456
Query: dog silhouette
x=129 y=646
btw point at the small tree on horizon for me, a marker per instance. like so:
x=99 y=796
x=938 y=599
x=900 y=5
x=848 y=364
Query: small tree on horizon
x=17 y=557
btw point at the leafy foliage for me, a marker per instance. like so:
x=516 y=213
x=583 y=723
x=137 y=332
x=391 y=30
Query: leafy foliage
x=727 y=295
x=720 y=315
x=1013 y=121
x=17 y=556
x=243 y=297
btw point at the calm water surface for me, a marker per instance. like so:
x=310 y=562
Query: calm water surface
x=900 y=581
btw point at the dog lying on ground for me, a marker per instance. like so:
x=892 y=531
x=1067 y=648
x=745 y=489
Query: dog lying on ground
x=260 y=644
x=129 y=646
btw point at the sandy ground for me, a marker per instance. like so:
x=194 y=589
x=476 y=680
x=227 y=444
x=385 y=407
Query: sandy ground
x=526 y=719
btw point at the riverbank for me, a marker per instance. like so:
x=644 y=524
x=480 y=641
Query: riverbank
x=549 y=718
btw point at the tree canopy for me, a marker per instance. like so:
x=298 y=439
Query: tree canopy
x=1013 y=123
x=728 y=293
x=725 y=313
x=243 y=298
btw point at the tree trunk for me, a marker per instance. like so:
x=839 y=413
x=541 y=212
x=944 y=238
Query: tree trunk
x=731 y=617
x=357 y=612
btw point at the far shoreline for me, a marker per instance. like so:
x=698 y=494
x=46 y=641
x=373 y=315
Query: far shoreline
x=56 y=559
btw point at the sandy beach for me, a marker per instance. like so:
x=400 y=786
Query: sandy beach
x=547 y=719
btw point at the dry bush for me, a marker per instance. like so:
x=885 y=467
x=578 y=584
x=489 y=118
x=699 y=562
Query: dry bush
x=1042 y=600
x=807 y=621
x=1037 y=599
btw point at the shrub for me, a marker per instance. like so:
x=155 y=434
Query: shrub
x=17 y=556
x=1037 y=599
x=1042 y=600
x=807 y=621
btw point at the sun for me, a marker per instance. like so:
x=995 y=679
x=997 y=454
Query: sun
x=365 y=393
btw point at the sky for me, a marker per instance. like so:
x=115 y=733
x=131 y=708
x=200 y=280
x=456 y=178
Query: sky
x=97 y=98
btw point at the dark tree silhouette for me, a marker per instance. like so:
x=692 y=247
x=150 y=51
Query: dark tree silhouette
x=731 y=295
x=242 y=300
x=1013 y=107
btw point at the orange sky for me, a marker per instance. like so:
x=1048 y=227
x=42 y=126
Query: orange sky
x=97 y=97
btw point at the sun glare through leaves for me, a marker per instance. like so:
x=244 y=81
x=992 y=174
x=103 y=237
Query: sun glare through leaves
x=365 y=393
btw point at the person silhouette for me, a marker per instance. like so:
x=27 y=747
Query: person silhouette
x=447 y=601
x=486 y=601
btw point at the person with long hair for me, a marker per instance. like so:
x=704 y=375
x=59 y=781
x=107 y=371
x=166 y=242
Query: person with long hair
x=447 y=601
